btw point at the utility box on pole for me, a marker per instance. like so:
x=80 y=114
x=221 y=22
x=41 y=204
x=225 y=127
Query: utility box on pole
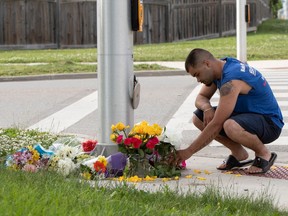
x=115 y=69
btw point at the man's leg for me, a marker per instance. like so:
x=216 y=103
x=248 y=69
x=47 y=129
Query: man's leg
x=236 y=149
x=236 y=133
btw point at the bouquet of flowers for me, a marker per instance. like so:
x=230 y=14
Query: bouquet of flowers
x=147 y=155
x=95 y=168
x=29 y=158
x=89 y=145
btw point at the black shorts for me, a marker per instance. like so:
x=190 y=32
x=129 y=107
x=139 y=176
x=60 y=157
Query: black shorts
x=254 y=123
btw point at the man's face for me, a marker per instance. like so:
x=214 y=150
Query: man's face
x=203 y=73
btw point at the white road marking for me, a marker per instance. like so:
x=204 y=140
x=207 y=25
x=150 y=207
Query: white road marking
x=69 y=115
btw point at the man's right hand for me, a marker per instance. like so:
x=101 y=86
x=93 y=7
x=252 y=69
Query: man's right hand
x=208 y=116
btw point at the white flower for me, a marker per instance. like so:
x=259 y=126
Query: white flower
x=67 y=152
x=65 y=166
x=89 y=163
x=173 y=137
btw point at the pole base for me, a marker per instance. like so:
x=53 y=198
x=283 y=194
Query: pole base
x=105 y=149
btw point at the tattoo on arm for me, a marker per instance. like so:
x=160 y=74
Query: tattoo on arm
x=226 y=88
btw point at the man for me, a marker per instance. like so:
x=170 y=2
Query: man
x=247 y=114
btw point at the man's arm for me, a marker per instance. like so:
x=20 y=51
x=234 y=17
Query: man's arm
x=228 y=96
x=202 y=101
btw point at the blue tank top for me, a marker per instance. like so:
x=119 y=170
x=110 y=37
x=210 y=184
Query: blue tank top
x=260 y=98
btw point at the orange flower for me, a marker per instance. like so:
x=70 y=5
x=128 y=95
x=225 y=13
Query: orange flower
x=99 y=167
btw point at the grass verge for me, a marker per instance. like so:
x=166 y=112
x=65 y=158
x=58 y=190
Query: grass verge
x=46 y=193
x=268 y=42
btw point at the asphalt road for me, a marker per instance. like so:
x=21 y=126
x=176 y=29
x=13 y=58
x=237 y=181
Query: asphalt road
x=166 y=100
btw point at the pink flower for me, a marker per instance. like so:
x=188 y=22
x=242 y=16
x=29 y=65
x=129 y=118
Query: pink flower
x=29 y=168
x=152 y=142
x=136 y=142
x=119 y=139
x=127 y=141
x=183 y=164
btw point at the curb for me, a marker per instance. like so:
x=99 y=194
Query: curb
x=89 y=75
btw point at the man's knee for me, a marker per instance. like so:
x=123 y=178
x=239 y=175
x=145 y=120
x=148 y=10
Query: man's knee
x=231 y=127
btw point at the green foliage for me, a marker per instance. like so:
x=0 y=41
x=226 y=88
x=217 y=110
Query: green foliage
x=275 y=5
x=45 y=193
x=13 y=139
x=273 y=26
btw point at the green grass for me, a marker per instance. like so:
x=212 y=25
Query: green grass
x=268 y=42
x=46 y=193
x=62 y=68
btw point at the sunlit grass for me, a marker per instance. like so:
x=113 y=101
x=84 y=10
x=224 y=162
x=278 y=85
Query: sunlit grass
x=46 y=193
x=269 y=42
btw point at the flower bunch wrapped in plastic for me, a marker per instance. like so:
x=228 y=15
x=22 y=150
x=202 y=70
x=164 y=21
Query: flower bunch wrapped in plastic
x=28 y=159
x=89 y=145
x=141 y=139
x=96 y=168
x=146 y=153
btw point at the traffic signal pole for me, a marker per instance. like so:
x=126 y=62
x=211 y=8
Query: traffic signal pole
x=115 y=69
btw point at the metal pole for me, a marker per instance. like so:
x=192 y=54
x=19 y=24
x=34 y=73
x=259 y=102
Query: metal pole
x=115 y=69
x=241 y=31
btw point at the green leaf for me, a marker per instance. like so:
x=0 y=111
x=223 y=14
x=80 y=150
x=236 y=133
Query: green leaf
x=141 y=153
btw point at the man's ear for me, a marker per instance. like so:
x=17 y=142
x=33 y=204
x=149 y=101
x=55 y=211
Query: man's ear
x=206 y=63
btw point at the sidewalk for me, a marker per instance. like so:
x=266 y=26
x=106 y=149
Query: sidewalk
x=228 y=184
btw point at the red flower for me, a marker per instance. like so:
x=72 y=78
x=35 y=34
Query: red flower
x=89 y=145
x=99 y=167
x=152 y=142
x=127 y=141
x=135 y=142
x=119 y=139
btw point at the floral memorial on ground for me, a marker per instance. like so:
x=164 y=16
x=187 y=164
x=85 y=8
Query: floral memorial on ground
x=144 y=152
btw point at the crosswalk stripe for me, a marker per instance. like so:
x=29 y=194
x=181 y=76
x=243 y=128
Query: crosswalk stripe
x=69 y=115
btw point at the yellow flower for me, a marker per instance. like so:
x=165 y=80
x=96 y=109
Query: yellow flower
x=138 y=137
x=113 y=128
x=134 y=179
x=207 y=172
x=120 y=126
x=197 y=171
x=188 y=176
x=121 y=178
x=176 y=177
x=113 y=137
x=157 y=130
x=86 y=175
x=30 y=148
x=228 y=172
x=35 y=155
x=103 y=160
x=148 y=178
x=166 y=179
x=201 y=178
